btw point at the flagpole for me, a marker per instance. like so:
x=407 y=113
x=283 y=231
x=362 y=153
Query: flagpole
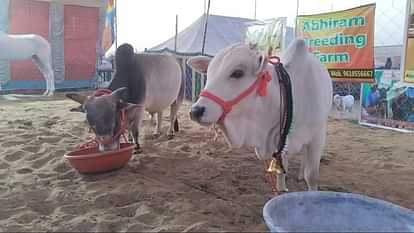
x=116 y=23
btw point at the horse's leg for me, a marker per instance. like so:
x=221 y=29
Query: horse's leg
x=43 y=64
x=173 y=119
x=36 y=60
x=51 y=79
x=47 y=60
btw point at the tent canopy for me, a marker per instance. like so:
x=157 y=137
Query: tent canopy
x=222 y=31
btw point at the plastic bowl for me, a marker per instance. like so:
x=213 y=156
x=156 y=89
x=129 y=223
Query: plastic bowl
x=91 y=160
x=335 y=212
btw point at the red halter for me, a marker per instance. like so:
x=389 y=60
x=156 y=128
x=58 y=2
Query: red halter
x=120 y=130
x=260 y=84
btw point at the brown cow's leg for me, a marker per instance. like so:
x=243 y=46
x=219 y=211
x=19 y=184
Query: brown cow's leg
x=135 y=135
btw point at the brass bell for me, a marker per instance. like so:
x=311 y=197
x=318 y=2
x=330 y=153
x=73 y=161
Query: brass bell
x=275 y=167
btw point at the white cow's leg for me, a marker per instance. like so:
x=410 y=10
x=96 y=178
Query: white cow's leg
x=302 y=165
x=153 y=123
x=135 y=129
x=313 y=159
x=173 y=117
x=159 y=123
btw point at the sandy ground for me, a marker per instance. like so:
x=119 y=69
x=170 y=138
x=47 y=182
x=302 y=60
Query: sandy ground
x=186 y=184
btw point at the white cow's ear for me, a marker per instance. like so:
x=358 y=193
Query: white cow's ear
x=199 y=63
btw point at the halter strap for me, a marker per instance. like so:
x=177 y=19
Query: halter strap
x=260 y=84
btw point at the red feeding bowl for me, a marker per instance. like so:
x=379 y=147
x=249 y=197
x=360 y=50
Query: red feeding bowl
x=91 y=160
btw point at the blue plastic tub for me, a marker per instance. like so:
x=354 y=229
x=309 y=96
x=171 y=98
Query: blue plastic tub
x=335 y=212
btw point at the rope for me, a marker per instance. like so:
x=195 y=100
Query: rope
x=287 y=114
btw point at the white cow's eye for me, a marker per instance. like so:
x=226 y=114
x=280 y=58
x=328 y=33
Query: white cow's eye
x=237 y=74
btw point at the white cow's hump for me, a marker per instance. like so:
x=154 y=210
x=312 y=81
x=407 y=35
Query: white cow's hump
x=312 y=91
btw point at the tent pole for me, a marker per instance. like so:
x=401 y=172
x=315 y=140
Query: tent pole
x=205 y=28
x=255 y=9
x=176 y=34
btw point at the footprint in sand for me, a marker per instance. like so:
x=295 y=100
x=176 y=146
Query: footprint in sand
x=25 y=126
x=27 y=217
x=75 y=209
x=36 y=201
x=139 y=227
x=4 y=165
x=12 y=144
x=61 y=167
x=49 y=123
x=24 y=171
x=71 y=174
x=42 y=161
x=185 y=148
x=14 y=156
x=32 y=149
x=28 y=136
x=118 y=200
x=11 y=202
x=50 y=139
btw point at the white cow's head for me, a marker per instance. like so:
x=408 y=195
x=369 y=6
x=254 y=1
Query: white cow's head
x=255 y=119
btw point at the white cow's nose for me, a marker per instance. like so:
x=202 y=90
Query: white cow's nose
x=197 y=112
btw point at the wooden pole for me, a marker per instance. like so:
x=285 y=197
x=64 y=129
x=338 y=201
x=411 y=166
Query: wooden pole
x=205 y=28
x=176 y=33
x=296 y=19
x=255 y=9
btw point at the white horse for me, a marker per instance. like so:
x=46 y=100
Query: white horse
x=20 y=47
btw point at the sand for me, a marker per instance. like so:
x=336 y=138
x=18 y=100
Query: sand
x=189 y=183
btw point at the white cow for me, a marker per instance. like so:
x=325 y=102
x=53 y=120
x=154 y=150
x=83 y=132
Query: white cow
x=21 y=47
x=255 y=120
x=343 y=103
